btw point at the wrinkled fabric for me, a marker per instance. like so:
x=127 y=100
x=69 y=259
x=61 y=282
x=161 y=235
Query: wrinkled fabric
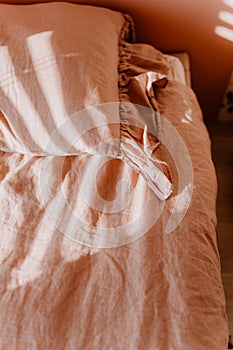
x=177 y=71
x=48 y=84
x=91 y=256
x=56 y=60
x=160 y=291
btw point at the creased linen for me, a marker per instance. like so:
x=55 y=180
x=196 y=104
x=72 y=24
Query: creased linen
x=160 y=291
x=53 y=70
x=90 y=257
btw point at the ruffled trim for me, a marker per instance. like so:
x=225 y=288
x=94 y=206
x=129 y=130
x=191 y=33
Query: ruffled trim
x=141 y=69
x=128 y=30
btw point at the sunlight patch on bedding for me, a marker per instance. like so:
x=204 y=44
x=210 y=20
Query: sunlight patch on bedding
x=46 y=69
x=27 y=272
x=73 y=252
x=183 y=120
x=7 y=242
x=182 y=200
x=16 y=93
x=180 y=205
x=188 y=117
x=31 y=267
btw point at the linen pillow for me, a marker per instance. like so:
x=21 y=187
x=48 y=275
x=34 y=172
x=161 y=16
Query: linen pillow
x=61 y=87
x=55 y=60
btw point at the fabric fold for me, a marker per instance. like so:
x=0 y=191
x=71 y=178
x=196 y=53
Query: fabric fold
x=58 y=98
x=142 y=68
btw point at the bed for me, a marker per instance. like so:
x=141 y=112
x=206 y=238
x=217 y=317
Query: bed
x=108 y=189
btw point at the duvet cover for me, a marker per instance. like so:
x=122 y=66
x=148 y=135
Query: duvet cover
x=108 y=190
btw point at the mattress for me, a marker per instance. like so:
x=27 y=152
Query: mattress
x=108 y=190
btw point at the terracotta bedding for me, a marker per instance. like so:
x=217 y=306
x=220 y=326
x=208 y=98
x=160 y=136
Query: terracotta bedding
x=91 y=256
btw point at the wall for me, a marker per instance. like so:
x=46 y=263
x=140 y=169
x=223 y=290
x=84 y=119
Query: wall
x=177 y=25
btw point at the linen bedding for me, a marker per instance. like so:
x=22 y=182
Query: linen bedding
x=107 y=190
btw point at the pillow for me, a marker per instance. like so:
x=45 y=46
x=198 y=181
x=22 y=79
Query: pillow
x=55 y=60
x=61 y=81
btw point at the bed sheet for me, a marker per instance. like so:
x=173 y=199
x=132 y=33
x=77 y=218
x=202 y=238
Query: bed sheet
x=91 y=258
x=162 y=291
